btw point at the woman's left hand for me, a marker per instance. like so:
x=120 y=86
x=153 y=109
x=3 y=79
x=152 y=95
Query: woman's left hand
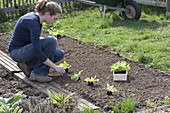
x=60 y=69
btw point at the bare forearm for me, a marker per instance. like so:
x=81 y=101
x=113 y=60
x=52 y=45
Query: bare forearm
x=54 y=66
x=49 y=63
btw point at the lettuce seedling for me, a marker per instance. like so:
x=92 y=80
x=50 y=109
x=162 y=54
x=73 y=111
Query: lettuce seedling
x=60 y=32
x=57 y=33
x=91 y=80
x=76 y=77
x=120 y=67
x=65 y=65
x=110 y=89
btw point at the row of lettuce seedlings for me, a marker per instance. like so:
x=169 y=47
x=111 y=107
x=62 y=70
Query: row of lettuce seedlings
x=120 y=71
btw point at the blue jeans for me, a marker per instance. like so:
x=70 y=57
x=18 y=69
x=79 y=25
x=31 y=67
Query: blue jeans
x=26 y=55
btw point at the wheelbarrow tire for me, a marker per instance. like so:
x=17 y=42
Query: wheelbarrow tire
x=134 y=11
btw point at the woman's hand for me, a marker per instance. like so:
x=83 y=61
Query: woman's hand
x=59 y=69
x=54 y=66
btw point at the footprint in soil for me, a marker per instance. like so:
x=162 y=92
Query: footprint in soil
x=62 y=80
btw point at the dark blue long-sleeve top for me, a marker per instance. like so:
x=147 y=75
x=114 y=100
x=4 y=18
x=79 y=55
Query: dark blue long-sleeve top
x=28 y=30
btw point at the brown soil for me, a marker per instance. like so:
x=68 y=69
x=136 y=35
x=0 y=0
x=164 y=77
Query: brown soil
x=144 y=84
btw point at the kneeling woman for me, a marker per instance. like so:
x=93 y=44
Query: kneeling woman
x=35 y=56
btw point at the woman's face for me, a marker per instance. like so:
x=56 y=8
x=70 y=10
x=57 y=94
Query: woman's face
x=51 y=19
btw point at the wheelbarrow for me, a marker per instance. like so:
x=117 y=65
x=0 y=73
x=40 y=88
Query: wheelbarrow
x=129 y=8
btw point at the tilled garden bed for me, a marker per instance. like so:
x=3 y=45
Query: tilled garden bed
x=144 y=84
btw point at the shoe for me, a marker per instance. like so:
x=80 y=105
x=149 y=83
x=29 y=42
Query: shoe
x=24 y=68
x=32 y=77
x=43 y=79
x=38 y=78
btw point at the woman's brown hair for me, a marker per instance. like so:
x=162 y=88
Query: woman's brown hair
x=43 y=6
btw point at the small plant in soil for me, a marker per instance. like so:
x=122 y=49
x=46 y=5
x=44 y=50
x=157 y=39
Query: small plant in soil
x=91 y=80
x=126 y=106
x=110 y=89
x=151 y=104
x=11 y=105
x=59 y=99
x=76 y=77
x=120 y=67
x=65 y=65
x=120 y=71
x=58 y=33
x=167 y=100
x=90 y=110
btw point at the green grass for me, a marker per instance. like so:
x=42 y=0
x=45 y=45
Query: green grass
x=146 y=41
x=7 y=26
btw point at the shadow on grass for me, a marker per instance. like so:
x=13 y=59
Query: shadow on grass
x=146 y=21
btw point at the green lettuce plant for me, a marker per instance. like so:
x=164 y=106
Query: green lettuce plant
x=91 y=80
x=76 y=77
x=65 y=65
x=120 y=67
x=110 y=89
x=58 y=34
x=55 y=33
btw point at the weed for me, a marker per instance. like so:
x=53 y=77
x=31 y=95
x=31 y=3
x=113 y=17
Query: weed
x=90 y=110
x=151 y=104
x=126 y=106
x=11 y=105
x=59 y=100
x=144 y=59
x=167 y=100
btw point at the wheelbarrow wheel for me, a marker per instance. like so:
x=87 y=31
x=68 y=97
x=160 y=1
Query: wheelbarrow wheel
x=134 y=12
